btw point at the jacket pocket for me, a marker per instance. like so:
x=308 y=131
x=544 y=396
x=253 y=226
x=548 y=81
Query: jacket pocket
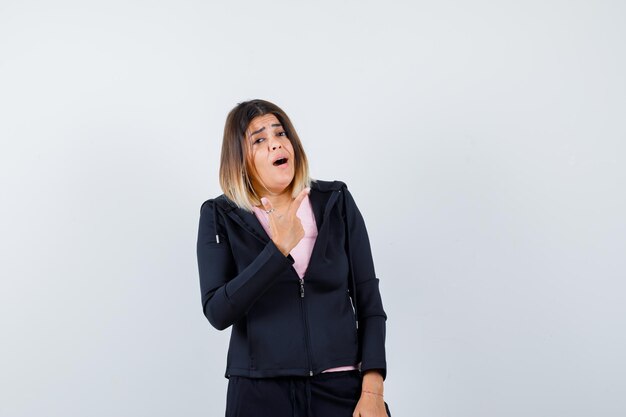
x=333 y=330
x=356 y=322
x=276 y=330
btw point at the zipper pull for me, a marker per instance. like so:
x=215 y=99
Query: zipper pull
x=301 y=288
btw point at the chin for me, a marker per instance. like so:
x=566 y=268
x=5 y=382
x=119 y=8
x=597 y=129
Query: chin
x=282 y=186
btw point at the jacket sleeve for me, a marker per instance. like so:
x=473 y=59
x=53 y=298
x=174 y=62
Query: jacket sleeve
x=227 y=295
x=371 y=315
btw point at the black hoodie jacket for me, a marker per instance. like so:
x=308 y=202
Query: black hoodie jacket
x=283 y=325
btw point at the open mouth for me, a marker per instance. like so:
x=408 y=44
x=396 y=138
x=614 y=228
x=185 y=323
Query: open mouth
x=280 y=161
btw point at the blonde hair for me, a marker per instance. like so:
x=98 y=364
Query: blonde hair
x=235 y=178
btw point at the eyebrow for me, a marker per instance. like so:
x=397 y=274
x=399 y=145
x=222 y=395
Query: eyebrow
x=263 y=128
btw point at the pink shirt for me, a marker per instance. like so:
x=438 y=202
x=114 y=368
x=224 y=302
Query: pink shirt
x=302 y=252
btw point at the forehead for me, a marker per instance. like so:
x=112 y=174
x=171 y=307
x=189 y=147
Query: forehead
x=267 y=120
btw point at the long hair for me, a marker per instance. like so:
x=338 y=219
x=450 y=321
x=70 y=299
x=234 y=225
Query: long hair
x=235 y=178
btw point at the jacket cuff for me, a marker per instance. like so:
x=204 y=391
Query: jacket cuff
x=372 y=330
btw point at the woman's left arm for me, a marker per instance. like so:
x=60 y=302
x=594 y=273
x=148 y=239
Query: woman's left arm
x=371 y=315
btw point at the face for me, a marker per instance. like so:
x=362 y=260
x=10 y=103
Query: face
x=271 y=155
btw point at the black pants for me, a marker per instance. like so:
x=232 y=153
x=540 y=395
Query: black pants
x=330 y=394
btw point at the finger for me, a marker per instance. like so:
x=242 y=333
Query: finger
x=295 y=204
x=267 y=204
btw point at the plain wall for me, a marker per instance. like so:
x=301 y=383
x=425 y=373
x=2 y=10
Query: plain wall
x=483 y=141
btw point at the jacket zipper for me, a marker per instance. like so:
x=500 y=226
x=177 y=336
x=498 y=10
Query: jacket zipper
x=306 y=326
x=331 y=202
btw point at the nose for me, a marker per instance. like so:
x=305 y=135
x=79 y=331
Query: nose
x=274 y=143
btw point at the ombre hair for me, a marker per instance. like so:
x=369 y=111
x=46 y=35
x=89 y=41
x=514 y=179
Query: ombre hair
x=235 y=178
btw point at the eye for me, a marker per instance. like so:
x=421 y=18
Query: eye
x=259 y=140
x=282 y=133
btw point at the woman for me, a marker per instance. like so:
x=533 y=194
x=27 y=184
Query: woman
x=286 y=261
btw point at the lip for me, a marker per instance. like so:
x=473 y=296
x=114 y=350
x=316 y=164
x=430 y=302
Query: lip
x=281 y=156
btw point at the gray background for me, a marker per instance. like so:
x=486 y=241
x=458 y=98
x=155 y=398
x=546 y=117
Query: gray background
x=483 y=142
